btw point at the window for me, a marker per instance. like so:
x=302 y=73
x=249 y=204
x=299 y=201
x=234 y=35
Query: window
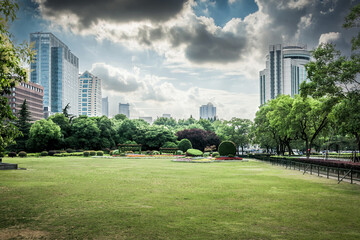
x=84 y=104
x=84 y=99
x=84 y=90
x=84 y=109
x=85 y=81
x=84 y=95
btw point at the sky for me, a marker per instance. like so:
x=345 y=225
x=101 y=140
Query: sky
x=171 y=57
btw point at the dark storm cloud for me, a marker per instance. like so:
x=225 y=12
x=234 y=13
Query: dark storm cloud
x=90 y=11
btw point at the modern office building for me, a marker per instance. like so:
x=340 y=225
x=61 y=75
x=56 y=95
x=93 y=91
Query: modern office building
x=165 y=115
x=147 y=119
x=55 y=68
x=124 y=109
x=105 y=106
x=208 y=111
x=90 y=100
x=284 y=72
x=33 y=93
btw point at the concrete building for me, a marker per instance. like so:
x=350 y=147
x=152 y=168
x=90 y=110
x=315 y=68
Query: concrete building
x=90 y=100
x=33 y=93
x=105 y=106
x=55 y=68
x=165 y=115
x=124 y=109
x=147 y=119
x=284 y=72
x=208 y=111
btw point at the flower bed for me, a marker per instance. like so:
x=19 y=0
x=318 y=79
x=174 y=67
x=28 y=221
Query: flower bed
x=228 y=158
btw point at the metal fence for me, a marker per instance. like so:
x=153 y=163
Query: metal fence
x=341 y=174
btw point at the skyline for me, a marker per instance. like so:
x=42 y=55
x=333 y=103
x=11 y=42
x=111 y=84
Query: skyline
x=174 y=57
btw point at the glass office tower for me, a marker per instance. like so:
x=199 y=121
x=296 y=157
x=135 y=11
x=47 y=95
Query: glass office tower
x=208 y=111
x=90 y=100
x=55 y=68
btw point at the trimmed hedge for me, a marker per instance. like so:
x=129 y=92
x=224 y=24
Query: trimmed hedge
x=86 y=153
x=194 y=152
x=207 y=154
x=179 y=152
x=92 y=153
x=155 y=153
x=227 y=148
x=12 y=154
x=215 y=154
x=22 y=154
x=44 y=153
x=99 y=153
x=184 y=145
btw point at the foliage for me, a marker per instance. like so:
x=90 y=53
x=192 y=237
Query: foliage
x=12 y=154
x=85 y=133
x=120 y=117
x=22 y=154
x=92 y=153
x=207 y=154
x=44 y=135
x=153 y=137
x=179 y=152
x=23 y=124
x=226 y=148
x=52 y=152
x=63 y=122
x=184 y=144
x=86 y=153
x=155 y=153
x=115 y=152
x=199 y=138
x=194 y=152
x=99 y=153
x=215 y=154
x=169 y=145
x=44 y=153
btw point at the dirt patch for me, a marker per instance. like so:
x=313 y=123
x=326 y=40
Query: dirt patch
x=13 y=233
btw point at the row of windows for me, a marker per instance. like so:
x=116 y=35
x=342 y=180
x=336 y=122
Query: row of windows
x=30 y=87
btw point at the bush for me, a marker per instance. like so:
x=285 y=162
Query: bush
x=215 y=154
x=226 y=148
x=52 y=152
x=12 y=154
x=231 y=155
x=194 y=152
x=69 y=150
x=44 y=153
x=61 y=151
x=99 y=153
x=22 y=154
x=106 y=150
x=169 y=145
x=86 y=153
x=207 y=154
x=92 y=153
x=59 y=155
x=179 y=152
x=184 y=145
x=115 y=152
x=155 y=153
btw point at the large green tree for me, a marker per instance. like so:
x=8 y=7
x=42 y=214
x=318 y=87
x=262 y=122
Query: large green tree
x=11 y=71
x=44 y=135
x=84 y=133
x=23 y=123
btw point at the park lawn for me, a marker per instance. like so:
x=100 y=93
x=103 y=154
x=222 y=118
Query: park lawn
x=95 y=198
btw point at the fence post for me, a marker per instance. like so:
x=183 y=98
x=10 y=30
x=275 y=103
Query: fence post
x=338 y=174
x=311 y=169
x=351 y=176
x=318 y=170
x=327 y=172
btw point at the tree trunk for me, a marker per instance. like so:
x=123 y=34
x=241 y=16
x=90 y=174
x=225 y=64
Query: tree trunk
x=307 y=149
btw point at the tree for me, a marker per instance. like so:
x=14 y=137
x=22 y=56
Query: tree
x=63 y=122
x=199 y=138
x=120 y=117
x=23 y=124
x=66 y=113
x=168 y=122
x=84 y=133
x=206 y=124
x=107 y=133
x=11 y=71
x=44 y=135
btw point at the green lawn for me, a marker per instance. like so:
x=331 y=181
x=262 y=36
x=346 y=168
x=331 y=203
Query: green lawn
x=87 y=198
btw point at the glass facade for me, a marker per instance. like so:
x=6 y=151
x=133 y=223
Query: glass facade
x=208 y=111
x=89 y=95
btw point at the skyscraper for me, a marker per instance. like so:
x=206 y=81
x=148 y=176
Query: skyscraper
x=105 y=106
x=124 y=109
x=208 y=111
x=284 y=72
x=55 y=68
x=90 y=101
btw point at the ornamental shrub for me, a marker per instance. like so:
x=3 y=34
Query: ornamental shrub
x=194 y=152
x=86 y=153
x=44 y=153
x=22 y=154
x=184 y=145
x=155 y=153
x=169 y=145
x=12 y=154
x=99 y=153
x=179 y=152
x=2 y=155
x=115 y=152
x=215 y=154
x=207 y=154
x=52 y=152
x=226 y=148
x=69 y=150
x=92 y=153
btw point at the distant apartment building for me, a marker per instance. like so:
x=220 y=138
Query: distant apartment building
x=90 y=100
x=208 y=111
x=33 y=93
x=147 y=119
x=105 y=106
x=166 y=115
x=284 y=72
x=124 y=109
x=55 y=68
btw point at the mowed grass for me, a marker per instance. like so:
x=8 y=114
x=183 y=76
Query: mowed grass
x=92 y=198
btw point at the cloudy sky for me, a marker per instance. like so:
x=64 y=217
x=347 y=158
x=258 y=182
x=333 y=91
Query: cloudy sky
x=172 y=56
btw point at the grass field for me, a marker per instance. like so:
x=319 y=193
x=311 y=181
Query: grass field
x=87 y=198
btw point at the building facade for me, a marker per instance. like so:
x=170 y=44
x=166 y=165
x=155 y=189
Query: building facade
x=33 y=93
x=147 y=119
x=208 y=111
x=105 y=106
x=284 y=72
x=55 y=68
x=166 y=115
x=90 y=99
x=124 y=109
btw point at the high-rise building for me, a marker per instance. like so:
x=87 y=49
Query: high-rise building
x=166 y=115
x=55 y=68
x=33 y=93
x=284 y=72
x=147 y=119
x=124 y=109
x=105 y=106
x=90 y=100
x=208 y=111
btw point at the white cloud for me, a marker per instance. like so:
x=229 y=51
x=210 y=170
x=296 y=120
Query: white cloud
x=329 y=37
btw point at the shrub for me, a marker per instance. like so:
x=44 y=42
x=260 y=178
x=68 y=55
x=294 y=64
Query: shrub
x=215 y=154
x=115 y=152
x=61 y=151
x=69 y=150
x=207 y=154
x=22 y=154
x=122 y=154
x=155 y=153
x=169 y=145
x=231 y=155
x=2 y=155
x=179 y=152
x=59 y=155
x=226 y=148
x=194 y=152
x=184 y=145
x=106 y=150
x=92 y=153
x=86 y=153
x=99 y=153
x=12 y=154
x=44 y=153
x=52 y=152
